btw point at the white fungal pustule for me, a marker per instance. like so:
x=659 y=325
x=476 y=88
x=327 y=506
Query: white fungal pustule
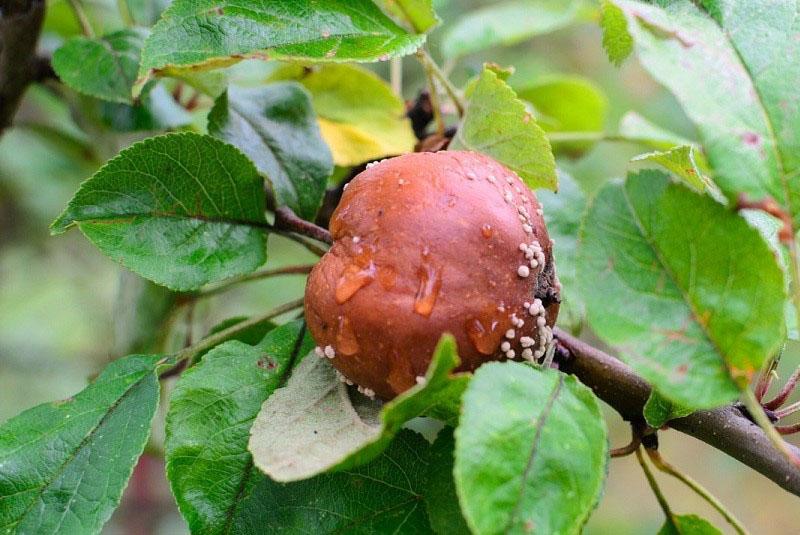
x=509 y=180
x=401 y=182
x=536 y=307
x=319 y=352
x=533 y=253
x=535 y=346
x=367 y=392
x=342 y=378
x=370 y=165
x=508 y=196
x=421 y=380
x=491 y=179
x=356 y=239
x=547 y=333
x=329 y=352
x=471 y=175
x=539 y=211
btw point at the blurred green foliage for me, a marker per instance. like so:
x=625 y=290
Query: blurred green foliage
x=63 y=308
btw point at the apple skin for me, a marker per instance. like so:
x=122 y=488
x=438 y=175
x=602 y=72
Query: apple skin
x=427 y=244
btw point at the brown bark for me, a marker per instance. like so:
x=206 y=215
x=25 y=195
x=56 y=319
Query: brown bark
x=725 y=428
x=20 y=25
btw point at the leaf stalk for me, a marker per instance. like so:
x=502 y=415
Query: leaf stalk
x=651 y=480
x=256 y=275
x=664 y=466
x=80 y=15
x=760 y=418
x=431 y=67
x=785 y=392
x=190 y=354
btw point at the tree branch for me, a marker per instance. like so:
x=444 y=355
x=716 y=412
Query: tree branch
x=725 y=428
x=20 y=24
x=286 y=219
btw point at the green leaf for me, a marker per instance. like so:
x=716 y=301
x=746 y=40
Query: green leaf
x=181 y=210
x=562 y=213
x=658 y=410
x=507 y=23
x=689 y=293
x=211 y=410
x=634 y=127
x=418 y=14
x=386 y=496
x=441 y=500
x=146 y=12
x=361 y=119
x=684 y=162
x=496 y=123
x=217 y=33
x=141 y=310
x=616 y=39
x=531 y=451
x=102 y=67
x=313 y=424
x=211 y=83
x=677 y=154
x=688 y=525
x=567 y=104
x=250 y=336
x=63 y=465
x=277 y=128
x=749 y=117
x=156 y=110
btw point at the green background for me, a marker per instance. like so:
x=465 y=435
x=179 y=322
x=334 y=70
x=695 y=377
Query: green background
x=60 y=303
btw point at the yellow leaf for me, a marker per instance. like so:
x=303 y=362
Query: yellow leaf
x=360 y=117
